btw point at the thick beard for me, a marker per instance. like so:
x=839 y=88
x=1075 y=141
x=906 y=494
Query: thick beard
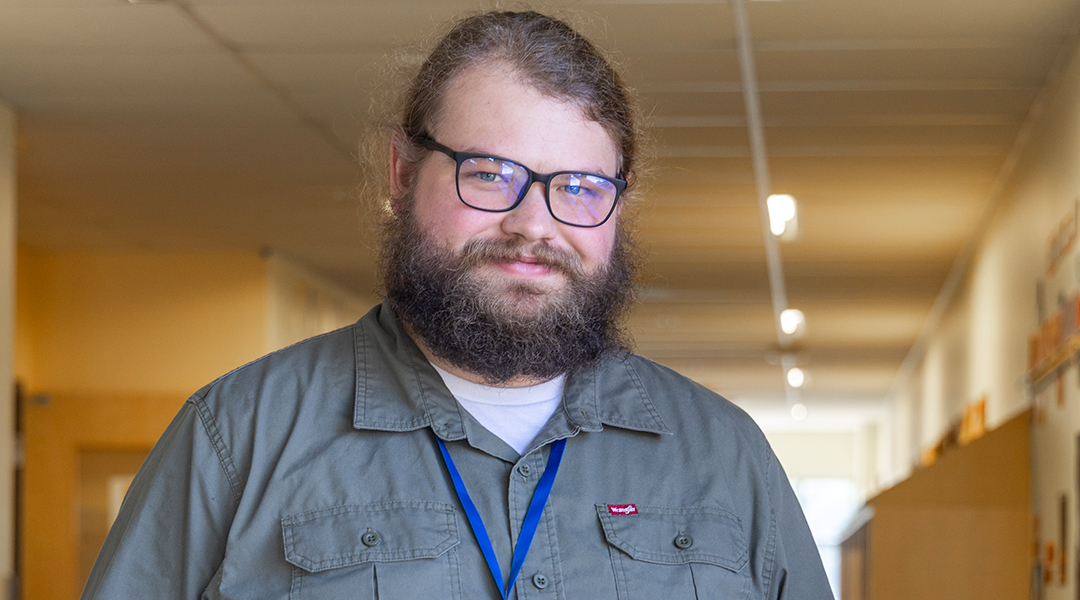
x=519 y=332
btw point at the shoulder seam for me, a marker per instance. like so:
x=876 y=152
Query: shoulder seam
x=647 y=399
x=218 y=442
x=770 y=547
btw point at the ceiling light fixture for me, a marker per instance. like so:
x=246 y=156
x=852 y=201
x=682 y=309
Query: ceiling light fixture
x=798 y=411
x=779 y=210
x=796 y=377
x=783 y=216
x=792 y=321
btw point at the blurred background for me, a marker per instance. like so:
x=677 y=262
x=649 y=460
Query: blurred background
x=860 y=229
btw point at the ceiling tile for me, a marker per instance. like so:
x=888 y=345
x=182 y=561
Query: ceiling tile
x=339 y=26
x=912 y=19
x=111 y=26
x=1010 y=66
x=25 y=78
x=322 y=72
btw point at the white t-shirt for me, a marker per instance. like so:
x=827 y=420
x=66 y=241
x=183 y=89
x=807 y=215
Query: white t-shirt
x=514 y=414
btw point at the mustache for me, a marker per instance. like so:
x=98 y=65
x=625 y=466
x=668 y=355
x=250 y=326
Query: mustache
x=480 y=251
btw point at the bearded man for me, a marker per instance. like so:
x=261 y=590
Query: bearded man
x=485 y=432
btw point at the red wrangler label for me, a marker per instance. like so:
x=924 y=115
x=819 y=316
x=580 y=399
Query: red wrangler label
x=622 y=509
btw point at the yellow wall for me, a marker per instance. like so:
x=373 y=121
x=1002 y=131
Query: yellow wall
x=108 y=347
x=136 y=323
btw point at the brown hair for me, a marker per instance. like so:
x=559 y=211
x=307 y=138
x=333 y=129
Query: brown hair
x=547 y=53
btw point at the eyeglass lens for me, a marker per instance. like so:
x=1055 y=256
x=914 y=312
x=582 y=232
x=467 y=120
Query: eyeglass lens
x=496 y=184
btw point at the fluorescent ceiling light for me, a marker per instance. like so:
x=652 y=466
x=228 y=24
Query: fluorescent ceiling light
x=783 y=215
x=796 y=377
x=792 y=321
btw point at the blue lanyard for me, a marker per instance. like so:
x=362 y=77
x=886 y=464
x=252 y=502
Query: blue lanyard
x=528 y=528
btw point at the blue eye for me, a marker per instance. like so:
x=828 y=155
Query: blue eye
x=578 y=188
x=488 y=177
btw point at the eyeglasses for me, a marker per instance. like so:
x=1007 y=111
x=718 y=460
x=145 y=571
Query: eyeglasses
x=494 y=184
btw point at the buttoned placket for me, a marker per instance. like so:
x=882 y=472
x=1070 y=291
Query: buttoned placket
x=539 y=563
x=541 y=575
x=542 y=558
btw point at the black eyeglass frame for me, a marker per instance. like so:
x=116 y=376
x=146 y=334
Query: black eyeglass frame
x=544 y=178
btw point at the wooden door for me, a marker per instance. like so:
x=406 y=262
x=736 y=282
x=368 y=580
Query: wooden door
x=79 y=453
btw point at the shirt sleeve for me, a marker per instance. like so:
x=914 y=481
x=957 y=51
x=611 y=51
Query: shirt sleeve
x=169 y=538
x=796 y=569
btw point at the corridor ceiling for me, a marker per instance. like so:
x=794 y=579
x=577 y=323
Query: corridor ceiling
x=232 y=125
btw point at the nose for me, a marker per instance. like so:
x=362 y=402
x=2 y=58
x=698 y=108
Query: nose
x=531 y=220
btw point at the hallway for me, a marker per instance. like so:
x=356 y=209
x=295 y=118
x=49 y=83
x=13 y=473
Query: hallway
x=185 y=185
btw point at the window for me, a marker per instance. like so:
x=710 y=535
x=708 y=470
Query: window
x=829 y=504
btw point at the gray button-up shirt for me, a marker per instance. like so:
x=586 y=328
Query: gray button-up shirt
x=314 y=473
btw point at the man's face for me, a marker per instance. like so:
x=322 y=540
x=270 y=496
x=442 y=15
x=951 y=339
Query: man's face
x=487 y=109
x=513 y=297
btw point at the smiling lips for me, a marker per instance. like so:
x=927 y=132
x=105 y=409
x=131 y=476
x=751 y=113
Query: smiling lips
x=527 y=266
x=521 y=261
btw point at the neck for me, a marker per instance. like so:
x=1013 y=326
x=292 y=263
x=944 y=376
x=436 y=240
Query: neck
x=515 y=382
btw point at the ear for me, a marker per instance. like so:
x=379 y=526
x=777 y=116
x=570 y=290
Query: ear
x=398 y=176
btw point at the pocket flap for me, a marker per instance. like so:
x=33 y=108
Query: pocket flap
x=677 y=535
x=334 y=537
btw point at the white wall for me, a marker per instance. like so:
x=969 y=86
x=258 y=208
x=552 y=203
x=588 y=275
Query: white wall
x=806 y=454
x=847 y=454
x=937 y=394
x=7 y=342
x=906 y=429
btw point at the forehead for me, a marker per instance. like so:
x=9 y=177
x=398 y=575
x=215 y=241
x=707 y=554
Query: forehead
x=490 y=108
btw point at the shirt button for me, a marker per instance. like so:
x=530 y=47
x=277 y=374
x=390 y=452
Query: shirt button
x=525 y=470
x=683 y=541
x=370 y=539
x=540 y=581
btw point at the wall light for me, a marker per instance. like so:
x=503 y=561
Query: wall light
x=792 y=321
x=796 y=377
x=783 y=216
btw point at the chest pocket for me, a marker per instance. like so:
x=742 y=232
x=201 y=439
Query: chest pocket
x=389 y=551
x=676 y=552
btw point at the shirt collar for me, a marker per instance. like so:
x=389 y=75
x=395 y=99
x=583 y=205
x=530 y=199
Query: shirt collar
x=397 y=389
